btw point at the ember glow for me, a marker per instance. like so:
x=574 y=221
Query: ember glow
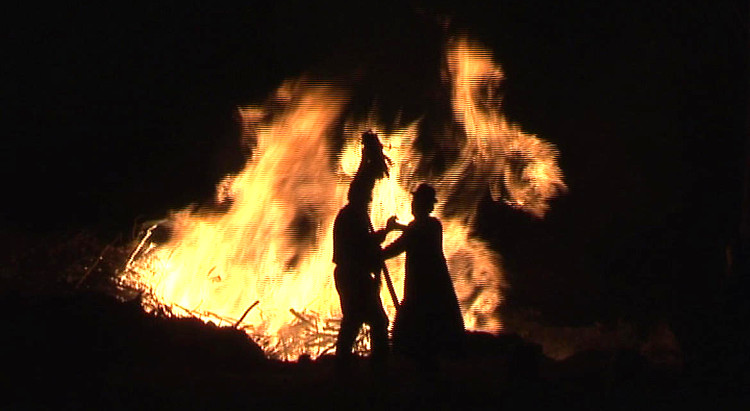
x=272 y=241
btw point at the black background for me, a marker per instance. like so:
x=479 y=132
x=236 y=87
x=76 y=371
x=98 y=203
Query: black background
x=117 y=113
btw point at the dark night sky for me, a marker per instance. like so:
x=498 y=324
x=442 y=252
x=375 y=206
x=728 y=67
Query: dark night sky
x=120 y=112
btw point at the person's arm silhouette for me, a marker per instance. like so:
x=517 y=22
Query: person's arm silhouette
x=399 y=245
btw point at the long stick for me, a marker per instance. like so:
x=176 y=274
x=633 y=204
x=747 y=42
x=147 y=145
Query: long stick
x=389 y=283
x=387 y=276
x=245 y=313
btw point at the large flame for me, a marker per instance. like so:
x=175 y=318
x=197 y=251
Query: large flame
x=272 y=242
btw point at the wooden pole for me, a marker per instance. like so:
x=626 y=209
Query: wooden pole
x=389 y=283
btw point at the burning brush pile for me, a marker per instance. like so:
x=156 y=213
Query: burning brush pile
x=260 y=258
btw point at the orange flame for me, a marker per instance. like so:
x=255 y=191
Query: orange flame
x=274 y=243
x=519 y=168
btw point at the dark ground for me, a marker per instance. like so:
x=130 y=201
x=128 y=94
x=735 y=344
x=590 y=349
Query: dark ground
x=73 y=350
x=69 y=343
x=115 y=113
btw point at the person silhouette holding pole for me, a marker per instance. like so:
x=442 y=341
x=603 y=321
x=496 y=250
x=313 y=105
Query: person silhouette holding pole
x=358 y=259
x=428 y=322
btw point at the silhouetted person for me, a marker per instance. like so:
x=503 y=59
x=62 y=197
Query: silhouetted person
x=357 y=254
x=429 y=322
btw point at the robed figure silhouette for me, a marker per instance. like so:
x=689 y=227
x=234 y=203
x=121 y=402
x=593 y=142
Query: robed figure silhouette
x=357 y=254
x=428 y=323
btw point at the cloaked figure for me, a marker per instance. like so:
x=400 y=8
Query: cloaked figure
x=357 y=254
x=428 y=323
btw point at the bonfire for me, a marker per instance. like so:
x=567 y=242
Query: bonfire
x=260 y=258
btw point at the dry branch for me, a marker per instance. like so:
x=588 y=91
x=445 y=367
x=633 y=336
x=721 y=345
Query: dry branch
x=245 y=313
x=96 y=262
